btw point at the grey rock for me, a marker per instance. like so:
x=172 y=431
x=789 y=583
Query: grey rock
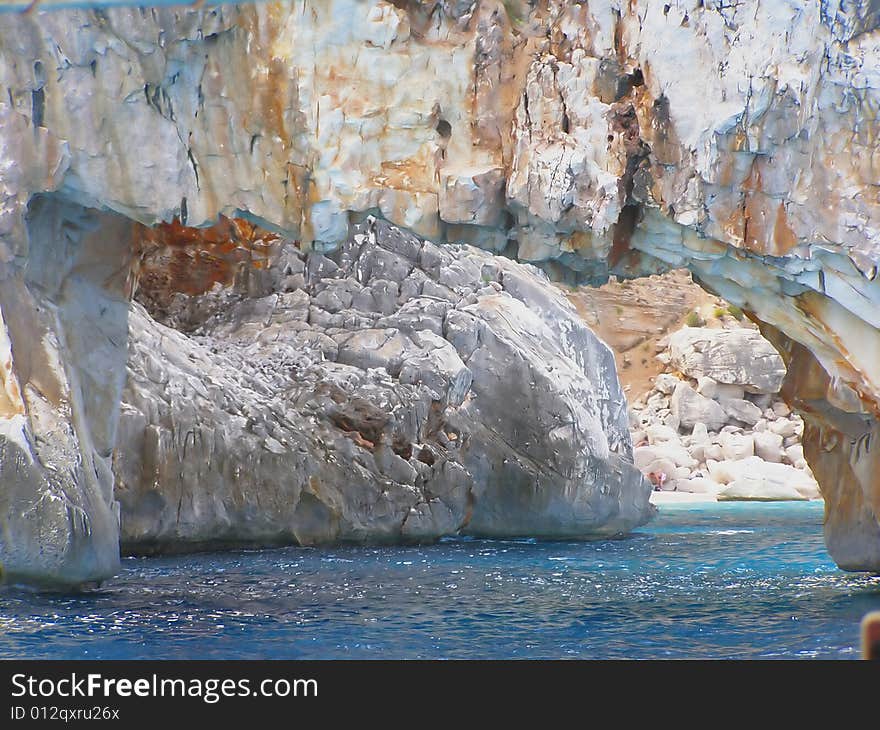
x=741 y=410
x=734 y=357
x=390 y=415
x=762 y=400
x=692 y=408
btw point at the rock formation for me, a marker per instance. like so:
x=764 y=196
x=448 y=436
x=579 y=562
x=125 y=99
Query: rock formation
x=393 y=390
x=739 y=140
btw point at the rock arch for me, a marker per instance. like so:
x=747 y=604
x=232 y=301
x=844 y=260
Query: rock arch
x=747 y=151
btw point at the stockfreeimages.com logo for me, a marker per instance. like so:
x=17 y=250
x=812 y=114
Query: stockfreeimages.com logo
x=209 y=690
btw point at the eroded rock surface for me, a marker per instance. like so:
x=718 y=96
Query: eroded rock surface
x=62 y=368
x=574 y=135
x=395 y=390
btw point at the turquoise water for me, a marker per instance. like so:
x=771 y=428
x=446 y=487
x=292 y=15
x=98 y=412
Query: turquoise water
x=735 y=580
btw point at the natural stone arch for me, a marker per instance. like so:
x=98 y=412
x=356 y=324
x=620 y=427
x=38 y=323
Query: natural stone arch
x=759 y=176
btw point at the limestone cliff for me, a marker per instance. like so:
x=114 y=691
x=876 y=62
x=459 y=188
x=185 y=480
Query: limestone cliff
x=739 y=140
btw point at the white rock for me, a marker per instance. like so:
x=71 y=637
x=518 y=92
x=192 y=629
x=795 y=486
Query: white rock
x=643 y=456
x=772 y=124
x=657 y=401
x=660 y=433
x=711 y=388
x=795 y=454
x=783 y=427
x=781 y=409
x=698 y=451
x=737 y=446
x=681 y=472
x=350 y=455
x=665 y=383
x=700 y=433
x=768 y=446
x=713 y=451
x=671 y=420
x=698 y=485
x=736 y=357
x=754 y=487
x=725 y=472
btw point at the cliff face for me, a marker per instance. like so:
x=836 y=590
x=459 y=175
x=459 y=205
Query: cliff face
x=739 y=140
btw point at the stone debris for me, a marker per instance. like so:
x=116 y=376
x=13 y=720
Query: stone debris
x=714 y=423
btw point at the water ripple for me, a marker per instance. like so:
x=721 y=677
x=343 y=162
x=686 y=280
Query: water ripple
x=738 y=581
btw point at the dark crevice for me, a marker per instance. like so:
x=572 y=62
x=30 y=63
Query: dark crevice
x=625 y=123
x=444 y=129
x=623 y=230
x=195 y=167
x=158 y=98
x=38 y=102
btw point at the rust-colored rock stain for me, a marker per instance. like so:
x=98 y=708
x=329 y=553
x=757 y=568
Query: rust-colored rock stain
x=172 y=257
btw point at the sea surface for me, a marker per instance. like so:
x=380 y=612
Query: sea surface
x=727 y=580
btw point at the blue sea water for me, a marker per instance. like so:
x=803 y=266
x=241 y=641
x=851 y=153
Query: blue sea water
x=727 y=580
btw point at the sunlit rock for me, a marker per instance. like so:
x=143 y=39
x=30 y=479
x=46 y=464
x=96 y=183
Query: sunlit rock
x=575 y=135
x=735 y=357
x=299 y=417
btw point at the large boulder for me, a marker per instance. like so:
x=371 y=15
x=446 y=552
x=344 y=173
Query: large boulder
x=324 y=414
x=762 y=472
x=739 y=357
x=758 y=488
x=62 y=368
x=768 y=446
